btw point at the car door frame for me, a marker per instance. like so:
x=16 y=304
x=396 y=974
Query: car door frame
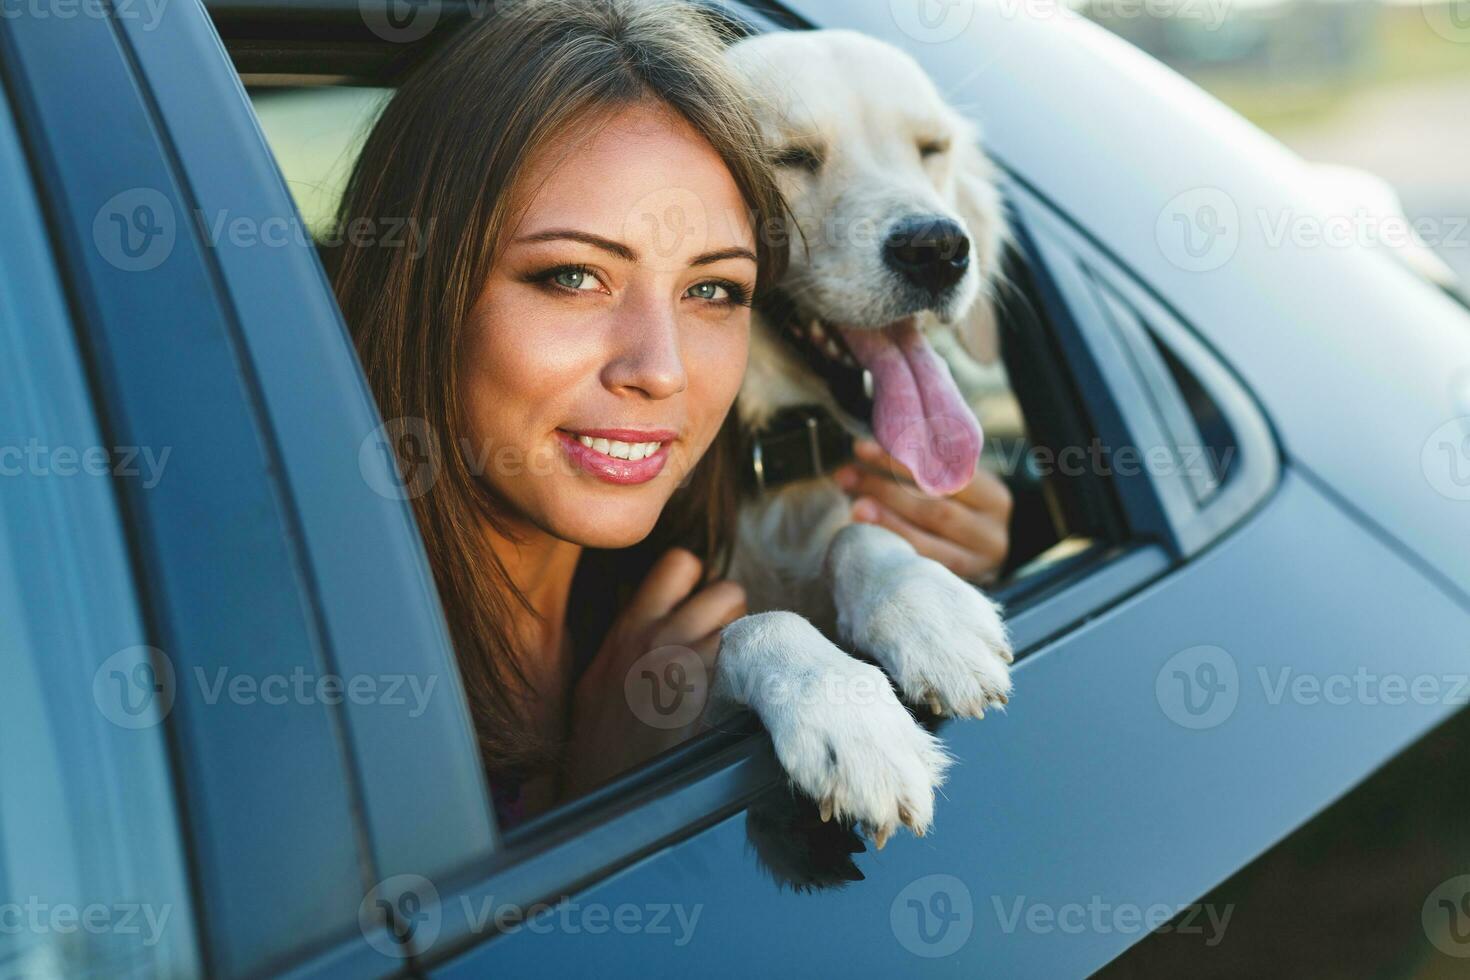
x=311 y=798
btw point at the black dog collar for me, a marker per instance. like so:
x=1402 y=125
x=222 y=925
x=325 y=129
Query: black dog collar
x=798 y=444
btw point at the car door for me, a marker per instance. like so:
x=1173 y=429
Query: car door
x=1149 y=723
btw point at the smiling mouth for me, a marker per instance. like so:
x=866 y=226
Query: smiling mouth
x=617 y=449
x=620 y=456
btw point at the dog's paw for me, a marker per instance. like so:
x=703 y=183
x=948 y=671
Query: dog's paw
x=940 y=638
x=839 y=731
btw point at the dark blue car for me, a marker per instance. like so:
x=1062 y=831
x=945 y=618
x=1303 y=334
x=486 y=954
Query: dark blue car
x=233 y=740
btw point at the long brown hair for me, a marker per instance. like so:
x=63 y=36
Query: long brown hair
x=442 y=160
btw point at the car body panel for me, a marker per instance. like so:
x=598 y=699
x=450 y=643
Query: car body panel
x=222 y=592
x=365 y=561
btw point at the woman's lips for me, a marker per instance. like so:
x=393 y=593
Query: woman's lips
x=596 y=458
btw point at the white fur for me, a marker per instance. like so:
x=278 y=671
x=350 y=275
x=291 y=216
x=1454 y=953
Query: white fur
x=940 y=639
x=839 y=731
x=812 y=576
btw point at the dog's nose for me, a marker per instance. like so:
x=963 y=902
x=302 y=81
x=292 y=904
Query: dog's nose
x=929 y=251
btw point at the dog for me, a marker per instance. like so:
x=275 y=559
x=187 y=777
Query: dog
x=900 y=233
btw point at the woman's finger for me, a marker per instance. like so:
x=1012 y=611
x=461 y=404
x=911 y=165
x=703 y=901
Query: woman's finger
x=668 y=582
x=940 y=516
x=985 y=492
x=988 y=494
x=966 y=564
x=876 y=457
x=707 y=612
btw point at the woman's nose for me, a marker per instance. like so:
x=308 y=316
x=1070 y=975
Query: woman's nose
x=646 y=360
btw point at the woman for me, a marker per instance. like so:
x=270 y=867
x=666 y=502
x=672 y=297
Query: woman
x=574 y=330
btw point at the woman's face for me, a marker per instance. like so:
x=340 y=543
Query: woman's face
x=610 y=340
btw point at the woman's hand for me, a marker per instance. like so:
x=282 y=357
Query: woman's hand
x=968 y=533
x=646 y=690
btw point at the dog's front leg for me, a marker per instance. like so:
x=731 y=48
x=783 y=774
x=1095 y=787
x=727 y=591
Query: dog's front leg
x=941 y=639
x=838 y=729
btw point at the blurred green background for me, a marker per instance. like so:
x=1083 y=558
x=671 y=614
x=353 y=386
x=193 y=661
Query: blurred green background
x=1380 y=86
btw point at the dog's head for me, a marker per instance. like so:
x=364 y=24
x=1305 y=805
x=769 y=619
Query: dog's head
x=898 y=232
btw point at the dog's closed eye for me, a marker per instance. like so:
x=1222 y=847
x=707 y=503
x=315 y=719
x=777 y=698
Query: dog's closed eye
x=799 y=157
x=932 y=148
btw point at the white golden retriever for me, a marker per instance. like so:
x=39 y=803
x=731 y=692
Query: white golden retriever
x=900 y=232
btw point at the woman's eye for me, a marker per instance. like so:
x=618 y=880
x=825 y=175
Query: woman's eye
x=574 y=279
x=709 y=290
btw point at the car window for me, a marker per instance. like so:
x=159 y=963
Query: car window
x=92 y=878
x=315 y=132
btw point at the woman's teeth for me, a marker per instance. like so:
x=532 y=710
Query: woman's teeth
x=620 y=450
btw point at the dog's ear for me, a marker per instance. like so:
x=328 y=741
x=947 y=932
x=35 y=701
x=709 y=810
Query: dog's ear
x=979 y=205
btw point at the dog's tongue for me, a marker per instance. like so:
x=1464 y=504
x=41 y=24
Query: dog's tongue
x=918 y=413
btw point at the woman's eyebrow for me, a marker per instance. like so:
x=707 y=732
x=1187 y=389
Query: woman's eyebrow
x=596 y=241
x=625 y=252
x=735 y=252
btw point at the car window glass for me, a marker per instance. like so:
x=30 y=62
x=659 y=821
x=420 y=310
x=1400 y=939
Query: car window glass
x=92 y=881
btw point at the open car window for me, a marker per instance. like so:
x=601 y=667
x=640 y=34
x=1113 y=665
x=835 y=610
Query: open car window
x=1083 y=536
x=316 y=130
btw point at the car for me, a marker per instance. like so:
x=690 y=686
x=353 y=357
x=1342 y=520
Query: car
x=235 y=739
